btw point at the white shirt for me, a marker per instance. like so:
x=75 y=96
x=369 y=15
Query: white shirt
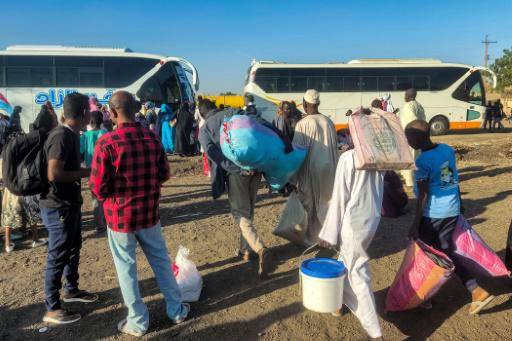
x=356 y=200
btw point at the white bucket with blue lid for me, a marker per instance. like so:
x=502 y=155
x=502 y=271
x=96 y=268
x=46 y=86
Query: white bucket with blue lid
x=322 y=284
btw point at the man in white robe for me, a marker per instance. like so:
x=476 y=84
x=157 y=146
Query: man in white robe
x=351 y=221
x=315 y=178
x=411 y=111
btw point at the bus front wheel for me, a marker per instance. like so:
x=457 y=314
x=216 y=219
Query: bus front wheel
x=439 y=126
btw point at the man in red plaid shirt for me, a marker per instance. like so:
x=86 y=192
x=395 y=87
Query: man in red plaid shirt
x=129 y=167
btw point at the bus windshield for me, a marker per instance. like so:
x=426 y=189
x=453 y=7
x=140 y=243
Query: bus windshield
x=162 y=87
x=471 y=90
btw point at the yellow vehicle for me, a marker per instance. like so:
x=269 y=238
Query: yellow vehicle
x=234 y=101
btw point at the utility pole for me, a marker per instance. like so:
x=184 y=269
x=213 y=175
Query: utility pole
x=486 y=43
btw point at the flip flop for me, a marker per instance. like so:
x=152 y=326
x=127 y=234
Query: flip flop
x=480 y=305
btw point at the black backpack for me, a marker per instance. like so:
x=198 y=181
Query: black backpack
x=24 y=165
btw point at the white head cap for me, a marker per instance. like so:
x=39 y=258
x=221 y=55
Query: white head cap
x=312 y=96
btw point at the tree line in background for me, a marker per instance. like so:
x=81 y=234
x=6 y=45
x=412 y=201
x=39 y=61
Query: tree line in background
x=502 y=67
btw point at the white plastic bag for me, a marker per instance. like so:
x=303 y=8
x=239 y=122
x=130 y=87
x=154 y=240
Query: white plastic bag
x=293 y=222
x=189 y=279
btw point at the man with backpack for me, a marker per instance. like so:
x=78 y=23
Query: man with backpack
x=60 y=204
x=20 y=209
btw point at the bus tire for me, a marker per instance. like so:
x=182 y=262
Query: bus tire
x=439 y=126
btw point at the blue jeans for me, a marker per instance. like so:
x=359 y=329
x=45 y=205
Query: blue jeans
x=152 y=242
x=64 y=227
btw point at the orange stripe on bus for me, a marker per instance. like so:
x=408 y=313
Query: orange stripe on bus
x=453 y=125
x=464 y=125
x=341 y=126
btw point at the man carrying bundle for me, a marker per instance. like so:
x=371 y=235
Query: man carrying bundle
x=242 y=186
x=352 y=220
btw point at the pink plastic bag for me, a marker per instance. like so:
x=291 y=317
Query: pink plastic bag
x=423 y=272
x=379 y=141
x=474 y=253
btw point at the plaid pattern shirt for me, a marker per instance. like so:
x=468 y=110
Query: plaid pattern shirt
x=129 y=166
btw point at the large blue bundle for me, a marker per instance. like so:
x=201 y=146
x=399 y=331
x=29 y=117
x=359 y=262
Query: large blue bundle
x=253 y=146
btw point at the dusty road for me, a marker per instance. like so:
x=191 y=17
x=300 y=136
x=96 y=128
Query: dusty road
x=235 y=305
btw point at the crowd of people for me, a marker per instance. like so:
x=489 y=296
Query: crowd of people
x=122 y=151
x=344 y=205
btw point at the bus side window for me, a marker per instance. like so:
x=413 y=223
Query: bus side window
x=403 y=83
x=421 y=82
x=369 y=84
x=18 y=77
x=351 y=84
x=386 y=83
x=29 y=71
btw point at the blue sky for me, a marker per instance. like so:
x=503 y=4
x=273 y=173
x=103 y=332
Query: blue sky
x=222 y=37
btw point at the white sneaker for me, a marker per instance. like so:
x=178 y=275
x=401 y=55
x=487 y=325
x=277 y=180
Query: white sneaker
x=39 y=242
x=184 y=313
x=121 y=326
x=9 y=248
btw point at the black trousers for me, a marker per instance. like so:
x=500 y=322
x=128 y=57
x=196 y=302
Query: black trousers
x=64 y=227
x=438 y=234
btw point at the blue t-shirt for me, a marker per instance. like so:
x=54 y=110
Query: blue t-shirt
x=438 y=166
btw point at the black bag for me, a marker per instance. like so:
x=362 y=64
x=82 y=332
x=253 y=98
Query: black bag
x=24 y=165
x=508 y=252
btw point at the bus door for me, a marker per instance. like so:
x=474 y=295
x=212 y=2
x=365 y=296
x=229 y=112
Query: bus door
x=187 y=94
x=162 y=87
x=471 y=101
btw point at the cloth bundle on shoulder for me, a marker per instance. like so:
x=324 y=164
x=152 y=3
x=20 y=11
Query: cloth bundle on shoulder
x=473 y=252
x=379 y=141
x=253 y=146
x=423 y=272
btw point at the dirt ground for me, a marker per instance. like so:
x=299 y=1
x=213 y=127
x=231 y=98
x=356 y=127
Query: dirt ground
x=235 y=304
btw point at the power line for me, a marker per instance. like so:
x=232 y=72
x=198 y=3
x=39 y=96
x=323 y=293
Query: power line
x=486 y=43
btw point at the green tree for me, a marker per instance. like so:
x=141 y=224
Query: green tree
x=227 y=93
x=502 y=67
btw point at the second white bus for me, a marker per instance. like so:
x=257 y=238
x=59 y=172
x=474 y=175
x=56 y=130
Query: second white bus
x=453 y=95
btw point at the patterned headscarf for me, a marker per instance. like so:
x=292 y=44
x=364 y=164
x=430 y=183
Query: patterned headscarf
x=149 y=105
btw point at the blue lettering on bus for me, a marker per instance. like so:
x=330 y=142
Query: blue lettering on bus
x=56 y=96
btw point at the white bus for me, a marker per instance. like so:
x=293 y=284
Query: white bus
x=32 y=75
x=453 y=95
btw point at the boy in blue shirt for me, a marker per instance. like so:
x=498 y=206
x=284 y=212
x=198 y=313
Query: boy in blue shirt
x=87 y=142
x=439 y=204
